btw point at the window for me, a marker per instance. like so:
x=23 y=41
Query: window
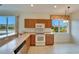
x=7 y=25
x=60 y=25
x=64 y=25
x=3 y=25
x=11 y=24
x=55 y=25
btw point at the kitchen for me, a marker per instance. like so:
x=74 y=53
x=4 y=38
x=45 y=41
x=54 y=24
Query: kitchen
x=40 y=37
x=34 y=28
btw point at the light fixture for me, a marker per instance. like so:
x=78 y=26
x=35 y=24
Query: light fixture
x=55 y=6
x=32 y=5
x=67 y=11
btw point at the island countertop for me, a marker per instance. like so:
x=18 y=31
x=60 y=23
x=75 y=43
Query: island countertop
x=15 y=43
x=12 y=45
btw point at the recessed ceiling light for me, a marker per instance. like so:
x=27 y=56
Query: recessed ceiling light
x=31 y=5
x=55 y=6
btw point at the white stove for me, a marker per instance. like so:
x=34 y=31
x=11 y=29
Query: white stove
x=40 y=37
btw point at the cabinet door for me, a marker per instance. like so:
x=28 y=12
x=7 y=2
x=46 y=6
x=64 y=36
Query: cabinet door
x=32 y=40
x=30 y=23
x=28 y=44
x=48 y=23
x=33 y=24
x=26 y=23
x=49 y=39
x=25 y=47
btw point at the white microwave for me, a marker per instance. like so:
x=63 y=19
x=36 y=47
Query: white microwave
x=40 y=25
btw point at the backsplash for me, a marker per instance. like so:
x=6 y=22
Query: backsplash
x=34 y=30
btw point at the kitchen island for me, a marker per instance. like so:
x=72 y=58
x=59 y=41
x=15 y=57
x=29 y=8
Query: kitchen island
x=10 y=47
x=21 y=44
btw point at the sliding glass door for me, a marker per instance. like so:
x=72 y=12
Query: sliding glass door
x=11 y=24
x=7 y=25
x=3 y=25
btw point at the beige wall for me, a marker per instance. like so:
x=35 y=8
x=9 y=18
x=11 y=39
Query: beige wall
x=75 y=27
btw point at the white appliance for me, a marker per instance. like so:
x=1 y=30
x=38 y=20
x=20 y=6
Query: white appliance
x=40 y=25
x=40 y=39
x=39 y=28
x=40 y=36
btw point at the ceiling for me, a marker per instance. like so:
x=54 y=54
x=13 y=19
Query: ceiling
x=39 y=8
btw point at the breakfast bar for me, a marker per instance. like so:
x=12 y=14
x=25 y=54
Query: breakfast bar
x=21 y=44
x=11 y=46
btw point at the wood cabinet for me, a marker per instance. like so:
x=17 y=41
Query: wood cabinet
x=27 y=44
x=47 y=23
x=30 y=23
x=49 y=39
x=25 y=47
x=26 y=23
x=32 y=40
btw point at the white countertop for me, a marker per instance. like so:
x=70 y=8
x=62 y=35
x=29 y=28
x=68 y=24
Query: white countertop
x=12 y=45
x=44 y=33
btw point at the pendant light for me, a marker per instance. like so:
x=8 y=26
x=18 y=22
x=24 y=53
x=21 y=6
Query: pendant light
x=68 y=9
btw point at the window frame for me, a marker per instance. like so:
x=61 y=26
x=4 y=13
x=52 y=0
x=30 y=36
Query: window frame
x=60 y=26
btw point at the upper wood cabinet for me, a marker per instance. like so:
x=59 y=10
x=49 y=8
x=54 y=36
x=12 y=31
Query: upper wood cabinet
x=26 y=23
x=47 y=23
x=30 y=23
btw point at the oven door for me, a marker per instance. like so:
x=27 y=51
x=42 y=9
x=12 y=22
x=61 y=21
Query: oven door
x=40 y=39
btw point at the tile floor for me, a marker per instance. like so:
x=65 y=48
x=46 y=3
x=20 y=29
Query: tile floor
x=56 y=49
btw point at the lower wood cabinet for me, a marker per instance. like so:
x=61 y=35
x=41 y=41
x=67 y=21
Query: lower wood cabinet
x=32 y=40
x=27 y=44
x=25 y=47
x=49 y=39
